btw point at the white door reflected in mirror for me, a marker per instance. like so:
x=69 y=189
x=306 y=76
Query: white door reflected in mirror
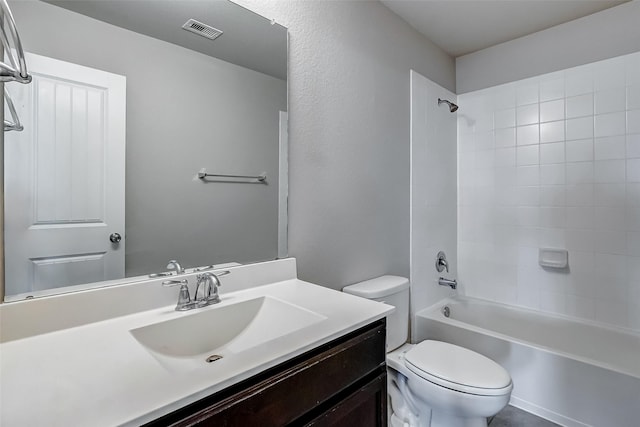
x=64 y=176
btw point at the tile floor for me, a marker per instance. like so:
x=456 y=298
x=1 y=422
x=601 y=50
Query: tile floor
x=514 y=417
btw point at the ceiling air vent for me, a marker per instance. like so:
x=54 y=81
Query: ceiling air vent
x=201 y=29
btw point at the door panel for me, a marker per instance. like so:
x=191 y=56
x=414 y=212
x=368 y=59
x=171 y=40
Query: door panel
x=64 y=178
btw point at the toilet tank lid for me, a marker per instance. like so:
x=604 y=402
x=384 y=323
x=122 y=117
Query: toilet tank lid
x=378 y=287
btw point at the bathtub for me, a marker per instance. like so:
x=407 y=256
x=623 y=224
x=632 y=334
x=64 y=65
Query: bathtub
x=570 y=372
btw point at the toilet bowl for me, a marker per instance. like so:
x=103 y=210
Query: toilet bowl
x=433 y=383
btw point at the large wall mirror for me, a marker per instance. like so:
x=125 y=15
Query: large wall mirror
x=126 y=109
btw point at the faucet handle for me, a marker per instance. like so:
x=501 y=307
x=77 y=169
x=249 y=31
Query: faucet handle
x=184 y=299
x=441 y=262
x=170 y=283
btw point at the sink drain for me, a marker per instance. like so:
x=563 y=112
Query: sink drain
x=213 y=358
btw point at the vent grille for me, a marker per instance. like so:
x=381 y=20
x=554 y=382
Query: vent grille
x=202 y=29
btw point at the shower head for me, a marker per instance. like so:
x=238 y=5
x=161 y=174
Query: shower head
x=452 y=107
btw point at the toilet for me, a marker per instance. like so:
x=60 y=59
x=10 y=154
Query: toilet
x=433 y=383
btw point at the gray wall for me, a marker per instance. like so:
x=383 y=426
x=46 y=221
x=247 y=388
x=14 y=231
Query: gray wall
x=185 y=111
x=612 y=32
x=349 y=64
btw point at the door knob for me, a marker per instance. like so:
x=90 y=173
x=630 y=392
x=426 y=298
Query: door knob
x=115 y=237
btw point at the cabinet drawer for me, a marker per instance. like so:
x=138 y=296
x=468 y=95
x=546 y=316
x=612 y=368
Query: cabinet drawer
x=291 y=390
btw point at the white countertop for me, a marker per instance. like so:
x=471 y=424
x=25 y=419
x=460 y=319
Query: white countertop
x=98 y=374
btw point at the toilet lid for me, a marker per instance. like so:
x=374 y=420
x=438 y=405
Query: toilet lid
x=457 y=368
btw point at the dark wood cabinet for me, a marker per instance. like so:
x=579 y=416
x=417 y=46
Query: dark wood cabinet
x=342 y=383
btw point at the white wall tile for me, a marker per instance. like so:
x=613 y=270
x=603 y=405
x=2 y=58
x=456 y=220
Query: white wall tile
x=505 y=137
x=551 y=238
x=578 y=82
x=609 y=194
x=610 y=241
x=485 y=159
x=632 y=66
x=552 y=153
x=612 y=266
x=505 y=176
x=633 y=170
x=614 y=313
x=610 y=124
x=633 y=243
x=527 y=135
x=633 y=145
x=609 y=73
x=484 y=140
x=579 y=173
x=580 y=195
x=582 y=307
x=633 y=97
x=580 y=217
x=633 y=218
x=633 y=121
x=633 y=270
x=633 y=194
x=610 y=100
x=528 y=155
x=553 y=217
x=580 y=150
x=528 y=237
x=552 y=110
x=552 y=174
x=552 y=89
x=563 y=171
x=584 y=263
x=609 y=171
x=503 y=96
x=552 y=195
x=610 y=147
x=552 y=131
x=528 y=175
x=529 y=196
x=609 y=218
x=582 y=284
x=580 y=106
x=505 y=157
x=581 y=240
x=581 y=128
x=527 y=115
x=528 y=216
x=553 y=302
x=527 y=94
x=504 y=118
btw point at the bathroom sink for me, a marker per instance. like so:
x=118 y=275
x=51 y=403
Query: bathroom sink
x=210 y=334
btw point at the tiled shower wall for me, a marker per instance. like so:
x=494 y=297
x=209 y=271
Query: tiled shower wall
x=554 y=161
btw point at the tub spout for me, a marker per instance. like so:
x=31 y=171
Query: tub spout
x=452 y=283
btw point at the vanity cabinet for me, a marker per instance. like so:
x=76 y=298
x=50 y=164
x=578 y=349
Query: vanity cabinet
x=341 y=383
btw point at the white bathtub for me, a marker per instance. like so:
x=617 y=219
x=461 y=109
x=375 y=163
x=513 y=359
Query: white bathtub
x=570 y=372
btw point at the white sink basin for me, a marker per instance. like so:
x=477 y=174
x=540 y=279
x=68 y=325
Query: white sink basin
x=189 y=341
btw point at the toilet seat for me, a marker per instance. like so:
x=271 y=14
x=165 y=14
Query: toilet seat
x=457 y=368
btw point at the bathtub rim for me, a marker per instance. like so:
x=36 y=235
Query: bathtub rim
x=433 y=312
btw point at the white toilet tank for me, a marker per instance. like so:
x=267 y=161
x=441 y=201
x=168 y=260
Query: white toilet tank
x=392 y=290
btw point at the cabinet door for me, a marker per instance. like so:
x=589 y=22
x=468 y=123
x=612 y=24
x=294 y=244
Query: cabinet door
x=365 y=407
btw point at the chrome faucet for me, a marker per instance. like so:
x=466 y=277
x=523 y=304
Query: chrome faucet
x=442 y=264
x=175 y=265
x=452 y=283
x=209 y=293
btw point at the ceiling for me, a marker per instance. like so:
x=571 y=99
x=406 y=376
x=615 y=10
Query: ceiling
x=460 y=27
x=249 y=40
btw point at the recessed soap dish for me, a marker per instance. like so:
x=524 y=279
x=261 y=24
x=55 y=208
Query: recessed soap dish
x=553 y=258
